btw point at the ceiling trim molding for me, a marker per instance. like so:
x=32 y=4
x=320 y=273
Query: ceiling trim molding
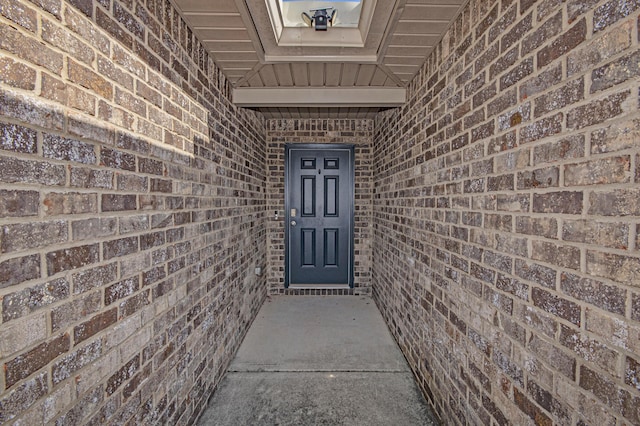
x=319 y=96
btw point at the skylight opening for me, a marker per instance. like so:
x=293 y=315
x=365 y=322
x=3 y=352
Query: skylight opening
x=348 y=11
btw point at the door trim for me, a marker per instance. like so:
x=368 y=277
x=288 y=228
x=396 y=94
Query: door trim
x=319 y=146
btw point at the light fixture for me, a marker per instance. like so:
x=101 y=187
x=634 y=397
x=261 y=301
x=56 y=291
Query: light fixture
x=320 y=18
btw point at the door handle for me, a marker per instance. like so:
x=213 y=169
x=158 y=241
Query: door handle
x=293 y=223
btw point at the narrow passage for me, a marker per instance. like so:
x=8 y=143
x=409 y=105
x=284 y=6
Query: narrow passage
x=312 y=360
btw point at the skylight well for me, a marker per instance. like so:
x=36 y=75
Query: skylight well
x=347 y=12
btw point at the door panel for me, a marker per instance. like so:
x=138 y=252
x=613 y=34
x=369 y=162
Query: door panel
x=319 y=214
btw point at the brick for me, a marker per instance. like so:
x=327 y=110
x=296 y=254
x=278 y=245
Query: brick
x=505 y=61
x=28 y=363
x=513 y=203
x=21 y=398
x=547 y=401
x=134 y=304
x=29 y=49
x=22 y=333
x=620 y=268
x=500 y=183
x=17 y=139
x=118 y=202
x=540 y=178
x=128 y=21
x=530 y=409
x=120 y=247
x=544 y=227
x=60 y=148
x=130 y=102
x=601 y=387
x=23 y=236
x=133 y=224
x=538 y=274
x=78 y=23
x=24 y=171
x=542 y=82
x=109 y=70
x=132 y=183
x=487 y=22
x=22 y=15
x=568 y=94
x=503 y=102
x=75 y=310
x=635 y=307
x=24 y=302
x=93 y=278
x=117 y=159
x=56 y=203
x=89 y=178
x=605 y=234
x=495 y=412
x=19 y=203
x=83 y=407
x=522 y=70
x=563 y=202
x=71 y=258
x=548 y=30
x=632 y=372
x=86 y=229
x=95 y=325
x=123 y=374
x=121 y=290
x=151 y=166
x=567 y=148
x=616 y=72
x=484 y=95
x=65 y=41
x=79 y=126
x=553 y=356
x=84 y=6
x=513 y=286
x=595 y=292
x=563 y=44
x=556 y=305
x=20 y=269
x=618 y=202
x=561 y=255
x=105 y=22
x=89 y=79
x=600 y=48
x=611 y=12
x=81 y=357
x=16 y=74
x=542 y=128
x=28 y=110
x=516 y=33
x=152 y=240
x=597 y=111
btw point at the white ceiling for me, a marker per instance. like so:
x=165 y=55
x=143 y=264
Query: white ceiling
x=392 y=43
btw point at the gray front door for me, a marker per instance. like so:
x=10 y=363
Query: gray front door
x=319 y=214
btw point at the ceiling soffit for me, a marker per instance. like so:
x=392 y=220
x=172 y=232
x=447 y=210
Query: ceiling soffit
x=388 y=48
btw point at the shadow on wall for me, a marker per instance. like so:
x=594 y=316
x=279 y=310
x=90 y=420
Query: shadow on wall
x=126 y=267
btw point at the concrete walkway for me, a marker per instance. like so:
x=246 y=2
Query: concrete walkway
x=312 y=360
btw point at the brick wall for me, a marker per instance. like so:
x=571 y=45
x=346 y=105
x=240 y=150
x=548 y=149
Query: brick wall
x=327 y=131
x=132 y=199
x=506 y=215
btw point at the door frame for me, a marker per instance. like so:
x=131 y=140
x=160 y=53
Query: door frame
x=287 y=210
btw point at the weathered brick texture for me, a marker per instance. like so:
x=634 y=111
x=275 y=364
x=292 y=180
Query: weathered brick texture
x=132 y=197
x=506 y=252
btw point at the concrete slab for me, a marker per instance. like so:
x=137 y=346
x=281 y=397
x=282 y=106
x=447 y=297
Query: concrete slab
x=310 y=360
x=312 y=333
x=317 y=399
